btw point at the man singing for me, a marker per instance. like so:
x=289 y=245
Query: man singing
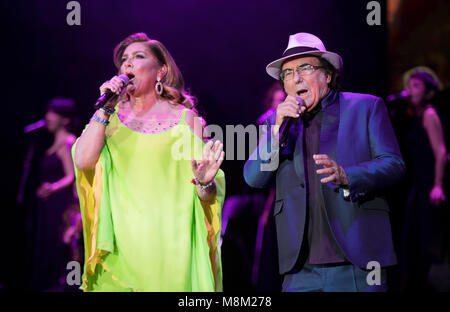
x=339 y=156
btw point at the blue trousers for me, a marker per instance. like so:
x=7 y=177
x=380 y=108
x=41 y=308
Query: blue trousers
x=332 y=278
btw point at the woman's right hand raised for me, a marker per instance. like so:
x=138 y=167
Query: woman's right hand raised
x=115 y=85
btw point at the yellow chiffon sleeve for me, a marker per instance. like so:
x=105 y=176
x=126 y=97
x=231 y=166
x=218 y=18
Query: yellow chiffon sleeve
x=98 y=232
x=212 y=218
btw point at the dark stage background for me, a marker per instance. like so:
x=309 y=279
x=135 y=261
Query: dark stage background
x=221 y=47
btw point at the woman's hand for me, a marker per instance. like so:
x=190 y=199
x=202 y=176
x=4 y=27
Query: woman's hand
x=206 y=169
x=45 y=190
x=115 y=85
x=437 y=195
x=68 y=234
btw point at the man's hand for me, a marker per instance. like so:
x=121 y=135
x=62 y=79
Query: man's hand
x=336 y=173
x=290 y=107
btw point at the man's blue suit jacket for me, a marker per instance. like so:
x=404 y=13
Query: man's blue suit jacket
x=357 y=133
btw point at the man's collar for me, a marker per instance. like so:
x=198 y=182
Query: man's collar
x=329 y=99
x=308 y=116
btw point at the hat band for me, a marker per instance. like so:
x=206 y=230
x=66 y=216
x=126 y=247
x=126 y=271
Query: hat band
x=297 y=50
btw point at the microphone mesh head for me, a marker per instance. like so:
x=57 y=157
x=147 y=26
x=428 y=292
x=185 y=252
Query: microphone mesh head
x=301 y=101
x=124 y=78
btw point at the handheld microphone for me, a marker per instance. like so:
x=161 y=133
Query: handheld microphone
x=105 y=97
x=287 y=124
x=401 y=95
x=35 y=126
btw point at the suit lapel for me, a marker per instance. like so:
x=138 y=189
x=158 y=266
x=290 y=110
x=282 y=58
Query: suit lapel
x=328 y=136
x=329 y=131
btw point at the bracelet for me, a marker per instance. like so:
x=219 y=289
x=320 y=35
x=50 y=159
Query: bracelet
x=102 y=121
x=107 y=110
x=203 y=187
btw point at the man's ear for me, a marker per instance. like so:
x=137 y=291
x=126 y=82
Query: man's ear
x=329 y=77
x=430 y=94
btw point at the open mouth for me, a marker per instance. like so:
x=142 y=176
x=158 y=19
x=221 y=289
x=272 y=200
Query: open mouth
x=131 y=76
x=302 y=92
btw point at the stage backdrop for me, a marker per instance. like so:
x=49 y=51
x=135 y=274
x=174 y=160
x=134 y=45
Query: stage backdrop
x=221 y=47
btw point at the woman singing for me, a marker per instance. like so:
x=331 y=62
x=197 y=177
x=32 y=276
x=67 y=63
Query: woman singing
x=151 y=212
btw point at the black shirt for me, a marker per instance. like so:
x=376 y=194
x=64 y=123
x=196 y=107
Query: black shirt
x=322 y=247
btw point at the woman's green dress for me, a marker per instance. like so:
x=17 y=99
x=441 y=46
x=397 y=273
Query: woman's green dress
x=145 y=228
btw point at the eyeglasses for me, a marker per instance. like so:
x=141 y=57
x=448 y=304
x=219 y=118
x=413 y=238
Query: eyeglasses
x=302 y=70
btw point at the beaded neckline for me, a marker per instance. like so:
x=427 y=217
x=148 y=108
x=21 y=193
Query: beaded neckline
x=150 y=126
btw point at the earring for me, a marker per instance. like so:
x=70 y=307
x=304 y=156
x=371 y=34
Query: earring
x=159 y=86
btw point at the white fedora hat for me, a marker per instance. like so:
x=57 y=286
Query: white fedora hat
x=303 y=43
